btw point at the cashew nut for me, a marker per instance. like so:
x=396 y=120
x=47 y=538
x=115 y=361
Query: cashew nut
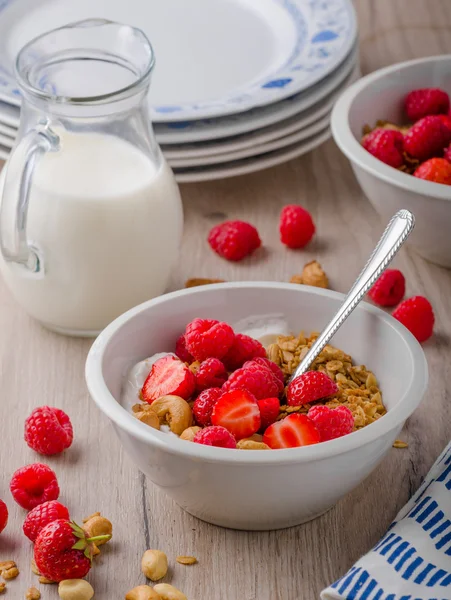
x=154 y=564
x=256 y=437
x=147 y=415
x=251 y=445
x=189 y=433
x=169 y=592
x=142 y=592
x=96 y=526
x=174 y=411
x=75 y=589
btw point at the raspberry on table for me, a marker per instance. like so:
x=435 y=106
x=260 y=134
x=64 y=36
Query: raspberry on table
x=427 y=138
x=424 y=102
x=42 y=515
x=207 y=338
x=3 y=515
x=48 y=430
x=389 y=289
x=244 y=348
x=332 y=422
x=203 y=405
x=234 y=240
x=296 y=226
x=215 y=436
x=417 y=315
x=387 y=145
x=309 y=387
x=257 y=379
x=34 y=484
x=210 y=374
x=437 y=170
x=181 y=351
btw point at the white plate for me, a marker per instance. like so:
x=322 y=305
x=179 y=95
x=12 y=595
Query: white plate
x=249 y=165
x=214 y=57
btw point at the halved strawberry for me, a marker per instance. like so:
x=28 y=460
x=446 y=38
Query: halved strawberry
x=269 y=411
x=168 y=375
x=291 y=432
x=238 y=412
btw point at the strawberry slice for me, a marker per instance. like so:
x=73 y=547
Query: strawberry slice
x=291 y=432
x=238 y=412
x=269 y=411
x=168 y=375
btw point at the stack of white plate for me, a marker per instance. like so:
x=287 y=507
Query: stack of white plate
x=239 y=85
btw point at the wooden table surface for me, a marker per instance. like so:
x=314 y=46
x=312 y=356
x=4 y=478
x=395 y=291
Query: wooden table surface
x=38 y=367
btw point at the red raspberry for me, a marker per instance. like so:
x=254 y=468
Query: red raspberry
x=427 y=101
x=238 y=412
x=168 y=375
x=48 y=430
x=417 y=315
x=256 y=379
x=207 y=338
x=437 y=170
x=293 y=431
x=447 y=153
x=387 y=145
x=296 y=226
x=446 y=120
x=203 y=405
x=269 y=411
x=210 y=374
x=182 y=352
x=332 y=423
x=309 y=387
x=3 y=515
x=234 y=240
x=34 y=484
x=427 y=138
x=215 y=436
x=389 y=289
x=41 y=516
x=243 y=348
x=272 y=367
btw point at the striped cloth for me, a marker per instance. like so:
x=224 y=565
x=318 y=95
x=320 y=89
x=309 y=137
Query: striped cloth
x=413 y=559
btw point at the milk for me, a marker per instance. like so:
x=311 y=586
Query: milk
x=107 y=222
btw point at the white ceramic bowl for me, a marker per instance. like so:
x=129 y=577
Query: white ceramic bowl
x=380 y=96
x=257 y=489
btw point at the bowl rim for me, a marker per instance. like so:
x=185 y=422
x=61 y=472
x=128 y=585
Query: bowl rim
x=124 y=420
x=354 y=151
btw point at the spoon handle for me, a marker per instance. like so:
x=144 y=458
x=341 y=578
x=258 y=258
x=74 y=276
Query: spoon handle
x=392 y=239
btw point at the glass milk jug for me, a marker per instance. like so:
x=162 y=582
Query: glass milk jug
x=91 y=217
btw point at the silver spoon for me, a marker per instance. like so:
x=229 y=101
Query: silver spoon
x=394 y=236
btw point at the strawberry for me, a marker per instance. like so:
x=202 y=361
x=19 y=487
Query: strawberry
x=291 y=432
x=238 y=412
x=269 y=411
x=62 y=550
x=168 y=376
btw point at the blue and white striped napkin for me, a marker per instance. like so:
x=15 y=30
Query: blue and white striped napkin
x=413 y=559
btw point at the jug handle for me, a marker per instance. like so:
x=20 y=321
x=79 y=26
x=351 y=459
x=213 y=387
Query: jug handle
x=16 y=195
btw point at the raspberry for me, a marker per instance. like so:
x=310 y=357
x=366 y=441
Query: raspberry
x=269 y=411
x=244 y=348
x=256 y=379
x=41 y=516
x=446 y=120
x=272 y=367
x=215 y=436
x=437 y=170
x=182 y=352
x=447 y=153
x=210 y=374
x=387 y=145
x=3 y=515
x=34 y=484
x=207 y=338
x=48 y=430
x=389 y=289
x=234 y=240
x=332 y=422
x=417 y=315
x=204 y=404
x=296 y=226
x=309 y=387
x=427 y=138
x=427 y=101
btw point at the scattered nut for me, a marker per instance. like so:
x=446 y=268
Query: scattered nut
x=142 y=592
x=154 y=564
x=33 y=594
x=251 y=445
x=186 y=560
x=189 y=433
x=296 y=279
x=97 y=514
x=2 y=587
x=312 y=274
x=174 y=411
x=98 y=525
x=10 y=573
x=43 y=579
x=400 y=444
x=169 y=592
x=75 y=589
x=194 y=282
x=34 y=567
